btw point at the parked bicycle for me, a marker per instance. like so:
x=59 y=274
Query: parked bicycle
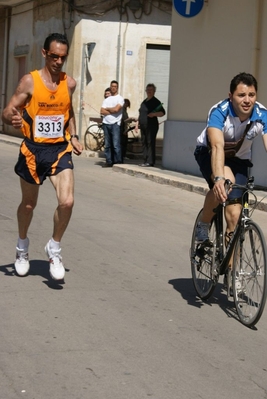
x=246 y=251
x=94 y=136
x=94 y=139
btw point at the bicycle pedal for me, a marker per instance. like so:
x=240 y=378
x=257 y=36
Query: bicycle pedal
x=205 y=244
x=200 y=251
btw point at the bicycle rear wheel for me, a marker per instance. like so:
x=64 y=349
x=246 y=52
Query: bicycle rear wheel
x=249 y=274
x=202 y=257
x=94 y=138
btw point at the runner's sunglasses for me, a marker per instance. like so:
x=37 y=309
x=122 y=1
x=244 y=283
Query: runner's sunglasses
x=55 y=57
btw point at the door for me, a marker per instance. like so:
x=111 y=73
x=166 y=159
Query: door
x=157 y=72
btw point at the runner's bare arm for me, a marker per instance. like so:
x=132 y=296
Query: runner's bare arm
x=23 y=92
x=71 y=85
x=77 y=146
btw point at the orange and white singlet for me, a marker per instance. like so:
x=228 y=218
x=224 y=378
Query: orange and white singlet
x=46 y=116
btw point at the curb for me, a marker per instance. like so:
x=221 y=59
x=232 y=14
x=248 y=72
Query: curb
x=158 y=177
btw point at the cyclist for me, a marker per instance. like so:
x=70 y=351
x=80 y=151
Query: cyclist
x=227 y=121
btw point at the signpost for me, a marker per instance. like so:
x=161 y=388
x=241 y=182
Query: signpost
x=188 y=8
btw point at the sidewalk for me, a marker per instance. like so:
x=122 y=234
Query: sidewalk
x=163 y=176
x=186 y=182
x=157 y=174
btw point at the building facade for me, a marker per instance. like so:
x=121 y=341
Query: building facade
x=129 y=40
x=118 y=39
x=208 y=50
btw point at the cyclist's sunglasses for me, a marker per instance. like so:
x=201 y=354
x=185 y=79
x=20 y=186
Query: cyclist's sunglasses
x=55 y=57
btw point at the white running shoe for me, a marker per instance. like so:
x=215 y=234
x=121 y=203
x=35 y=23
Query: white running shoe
x=56 y=270
x=22 y=264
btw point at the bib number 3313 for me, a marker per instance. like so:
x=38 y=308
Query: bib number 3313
x=49 y=126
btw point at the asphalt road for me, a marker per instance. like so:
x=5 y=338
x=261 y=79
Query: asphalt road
x=126 y=324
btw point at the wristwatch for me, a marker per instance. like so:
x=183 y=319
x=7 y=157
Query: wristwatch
x=74 y=135
x=217 y=178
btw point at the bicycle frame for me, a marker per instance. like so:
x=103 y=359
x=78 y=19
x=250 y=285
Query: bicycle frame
x=223 y=257
x=243 y=261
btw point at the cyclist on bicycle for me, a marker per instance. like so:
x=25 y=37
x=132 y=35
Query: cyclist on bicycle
x=229 y=120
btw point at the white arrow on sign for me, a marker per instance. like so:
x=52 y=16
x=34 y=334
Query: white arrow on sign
x=188 y=5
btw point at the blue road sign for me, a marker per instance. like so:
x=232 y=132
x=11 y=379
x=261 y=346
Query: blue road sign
x=188 y=8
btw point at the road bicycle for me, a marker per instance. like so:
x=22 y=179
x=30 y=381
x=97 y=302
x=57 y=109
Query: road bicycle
x=247 y=253
x=94 y=139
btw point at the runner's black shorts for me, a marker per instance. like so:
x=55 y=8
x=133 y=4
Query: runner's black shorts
x=37 y=161
x=238 y=166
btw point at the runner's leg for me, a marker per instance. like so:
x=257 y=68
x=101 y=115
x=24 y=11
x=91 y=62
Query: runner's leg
x=26 y=207
x=63 y=183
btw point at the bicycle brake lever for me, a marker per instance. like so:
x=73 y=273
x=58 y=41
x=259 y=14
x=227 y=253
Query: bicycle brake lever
x=227 y=186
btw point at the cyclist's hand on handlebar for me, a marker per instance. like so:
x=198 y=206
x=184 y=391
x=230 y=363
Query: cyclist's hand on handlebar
x=219 y=191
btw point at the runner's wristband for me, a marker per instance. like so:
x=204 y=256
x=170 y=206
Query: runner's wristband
x=74 y=135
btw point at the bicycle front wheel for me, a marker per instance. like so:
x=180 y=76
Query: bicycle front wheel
x=249 y=274
x=202 y=257
x=94 y=138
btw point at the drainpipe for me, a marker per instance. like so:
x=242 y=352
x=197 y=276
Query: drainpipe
x=119 y=47
x=3 y=95
x=123 y=58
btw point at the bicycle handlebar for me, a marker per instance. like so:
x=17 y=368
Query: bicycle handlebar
x=250 y=186
x=227 y=185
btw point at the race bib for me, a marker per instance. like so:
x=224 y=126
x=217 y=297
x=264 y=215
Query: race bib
x=49 y=126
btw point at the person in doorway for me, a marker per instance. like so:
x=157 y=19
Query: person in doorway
x=239 y=116
x=41 y=108
x=112 y=113
x=150 y=110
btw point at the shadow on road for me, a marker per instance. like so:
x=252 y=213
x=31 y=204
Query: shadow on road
x=185 y=287
x=37 y=268
x=219 y=298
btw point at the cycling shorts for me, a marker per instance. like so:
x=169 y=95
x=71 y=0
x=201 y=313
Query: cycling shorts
x=37 y=161
x=238 y=166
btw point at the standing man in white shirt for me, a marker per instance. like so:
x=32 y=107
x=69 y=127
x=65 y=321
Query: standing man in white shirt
x=112 y=113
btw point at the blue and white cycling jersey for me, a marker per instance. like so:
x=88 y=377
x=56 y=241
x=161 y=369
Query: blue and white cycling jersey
x=223 y=117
